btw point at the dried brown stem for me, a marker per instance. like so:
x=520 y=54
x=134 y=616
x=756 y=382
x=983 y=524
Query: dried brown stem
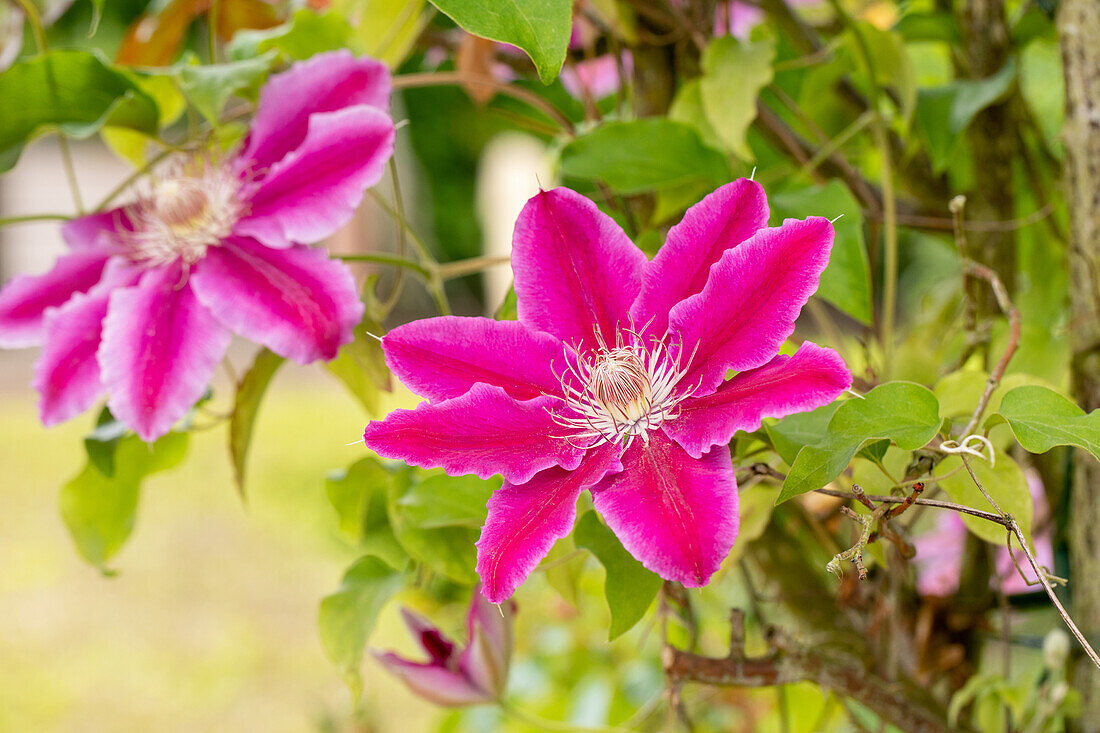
x=1001 y=293
x=1014 y=529
x=788 y=663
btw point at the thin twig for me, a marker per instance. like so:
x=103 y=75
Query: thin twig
x=960 y=508
x=1008 y=521
x=979 y=270
x=439 y=78
x=402 y=246
x=34 y=18
x=945 y=224
x=27 y=218
x=473 y=265
x=382 y=258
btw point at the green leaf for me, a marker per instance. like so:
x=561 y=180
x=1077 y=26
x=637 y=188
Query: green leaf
x=958 y=392
x=361 y=367
x=246 y=405
x=687 y=107
x=387 y=28
x=101 y=443
x=792 y=433
x=131 y=145
x=73 y=91
x=447 y=501
x=1043 y=88
x=875 y=451
x=1041 y=419
x=734 y=72
x=347 y=617
x=944 y=112
x=906 y=413
x=756 y=505
x=360 y=496
x=643 y=155
x=307 y=33
x=563 y=568
x=892 y=66
x=846 y=282
x=447 y=550
x=209 y=86
x=937 y=25
x=629 y=587
x=540 y=28
x=99 y=510
x=1005 y=482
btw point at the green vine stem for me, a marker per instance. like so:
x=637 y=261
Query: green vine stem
x=39 y=32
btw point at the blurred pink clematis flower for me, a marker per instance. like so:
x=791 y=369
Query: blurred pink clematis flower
x=738 y=19
x=940 y=551
x=614 y=379
x=143 y=306
x=475 y=674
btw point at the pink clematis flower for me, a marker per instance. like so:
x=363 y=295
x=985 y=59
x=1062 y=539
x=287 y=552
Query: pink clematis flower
x=614 y=379
x=143 y=306
x=475 y=674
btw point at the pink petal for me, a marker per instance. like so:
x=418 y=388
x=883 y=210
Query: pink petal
x=440 y=649
x=316 y=188
x=939 y=555
x=676 y=514
x=24 y=300
x=66 y=374
x=814 y=376
x=488 y=652
x=595 y=78
x=722 y=220
x=743 y=18
x=324 y=83
x=441 y=358
x=525 y=520
x=101 y=231
x=576 y=271
x=160 y=348
x=483 y=432
x=751 y=300
x=296 y=301
x=433 y=682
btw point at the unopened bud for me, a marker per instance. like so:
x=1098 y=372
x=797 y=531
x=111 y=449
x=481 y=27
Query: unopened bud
x=1058 y=693
x=1055 y=649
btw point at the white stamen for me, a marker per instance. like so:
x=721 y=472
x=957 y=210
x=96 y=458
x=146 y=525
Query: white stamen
x=192 y=206
x=616 y=394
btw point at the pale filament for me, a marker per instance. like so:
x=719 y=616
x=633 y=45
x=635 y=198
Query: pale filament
x=615 y=394
x=193 y=205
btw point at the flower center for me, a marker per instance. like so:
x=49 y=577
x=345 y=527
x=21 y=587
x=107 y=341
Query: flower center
x=194 y=205
x=620 y=383
x=616 y=394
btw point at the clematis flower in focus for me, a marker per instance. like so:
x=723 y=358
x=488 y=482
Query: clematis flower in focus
x=143 y=306
x=614 y=379
x=477 y=673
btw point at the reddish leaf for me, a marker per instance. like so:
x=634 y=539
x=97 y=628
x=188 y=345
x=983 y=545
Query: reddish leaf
x=235 y=15
x=155 y=39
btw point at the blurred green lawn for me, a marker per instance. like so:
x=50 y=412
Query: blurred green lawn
x=210 y=624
